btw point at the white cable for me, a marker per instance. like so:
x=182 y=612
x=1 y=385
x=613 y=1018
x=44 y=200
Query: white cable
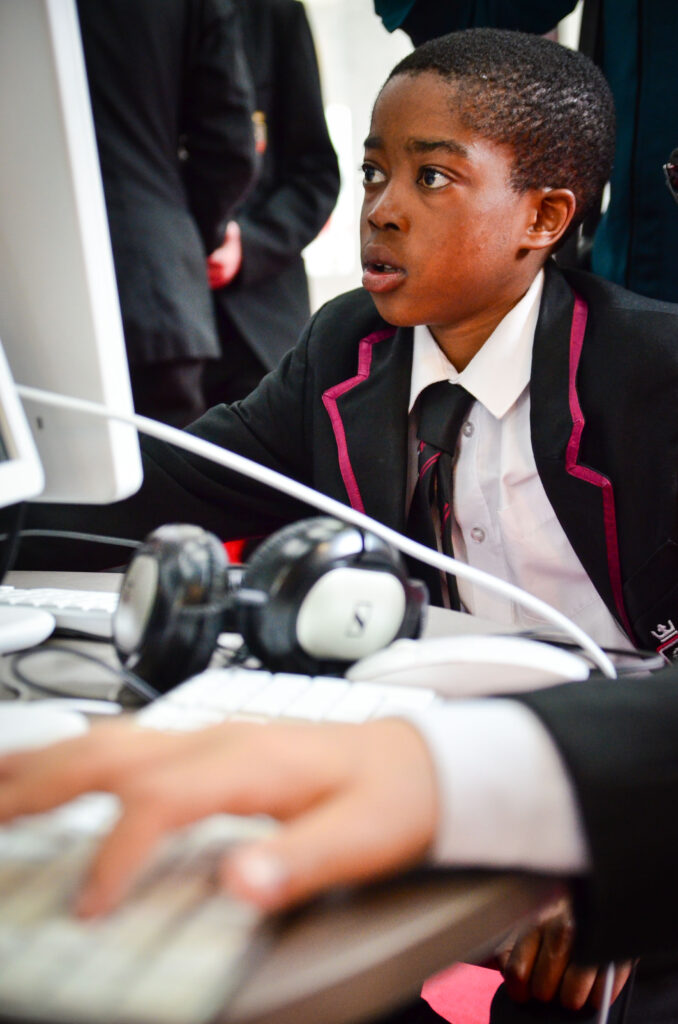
x=606 y=1002
x=332 y=507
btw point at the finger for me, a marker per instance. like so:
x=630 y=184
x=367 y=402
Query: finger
x=519 y=965
x=36 y=781
x=344 y=840
x=621 y=976
x=577 y=985
x=503 y=950
x=118 y=862
x=553 y=957
x=229 y=768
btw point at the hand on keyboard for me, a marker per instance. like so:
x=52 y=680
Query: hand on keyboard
x=358 y=801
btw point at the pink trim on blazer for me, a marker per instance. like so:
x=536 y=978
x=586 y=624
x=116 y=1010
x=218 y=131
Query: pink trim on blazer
x=579 y=318
x=330 y=402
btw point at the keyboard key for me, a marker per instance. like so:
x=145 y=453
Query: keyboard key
x=277 y=695
x=316 y=702
x=174 y=951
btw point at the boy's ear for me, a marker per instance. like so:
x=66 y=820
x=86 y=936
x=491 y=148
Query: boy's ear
x=552 y=211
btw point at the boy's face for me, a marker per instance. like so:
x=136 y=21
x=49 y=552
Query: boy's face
x=443 y=233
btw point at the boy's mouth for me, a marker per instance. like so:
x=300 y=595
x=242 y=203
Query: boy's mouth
x=382 y=277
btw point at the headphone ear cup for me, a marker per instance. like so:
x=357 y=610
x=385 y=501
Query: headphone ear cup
x=268 y=624
x=415 y=609
x=171 y=605
x=320 y=594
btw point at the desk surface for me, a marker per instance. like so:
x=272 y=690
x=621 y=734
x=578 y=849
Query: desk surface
x=349 y=960
x=355 y=955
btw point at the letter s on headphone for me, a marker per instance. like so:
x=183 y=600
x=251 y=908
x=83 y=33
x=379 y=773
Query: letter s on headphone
x=313 y=598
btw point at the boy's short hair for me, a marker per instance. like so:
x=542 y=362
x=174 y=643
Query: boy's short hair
x=551 y=105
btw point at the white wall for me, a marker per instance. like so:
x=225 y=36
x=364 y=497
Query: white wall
x=355 y=53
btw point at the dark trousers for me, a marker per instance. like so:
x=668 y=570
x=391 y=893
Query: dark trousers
x=237 y=371
x=417 y=1012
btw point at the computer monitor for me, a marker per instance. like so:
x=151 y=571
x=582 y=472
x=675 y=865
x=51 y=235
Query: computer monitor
x=60 y=320
x=21 y=475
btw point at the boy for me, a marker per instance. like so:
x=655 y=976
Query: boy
x=486 y=148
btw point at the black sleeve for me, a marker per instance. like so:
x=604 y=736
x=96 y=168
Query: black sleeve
x=269 y=427
x=275 y=231
x=430 y=18
x=217 y=130
x=619 y=741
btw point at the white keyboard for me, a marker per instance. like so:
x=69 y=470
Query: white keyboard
x=89 y=612
x=219 y=694
x=173 y=953
x=177 y=949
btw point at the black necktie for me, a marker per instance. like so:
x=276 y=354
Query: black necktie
x=442 y=408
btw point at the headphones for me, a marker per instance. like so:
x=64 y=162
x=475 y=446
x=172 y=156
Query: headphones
x=314 y=597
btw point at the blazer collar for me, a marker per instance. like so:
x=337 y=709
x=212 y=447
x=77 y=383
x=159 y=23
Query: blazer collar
x=369 y=417
x=581 y=494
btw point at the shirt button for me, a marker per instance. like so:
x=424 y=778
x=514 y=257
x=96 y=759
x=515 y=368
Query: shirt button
x=467 y=429
x=477 y=534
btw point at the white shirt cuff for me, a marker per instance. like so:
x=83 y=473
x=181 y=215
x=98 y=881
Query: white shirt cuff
x=506 y=800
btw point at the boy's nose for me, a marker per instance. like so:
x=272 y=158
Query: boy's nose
x=386 y=210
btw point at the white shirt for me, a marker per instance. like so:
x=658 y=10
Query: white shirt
x=503 y=522
x=505 y=797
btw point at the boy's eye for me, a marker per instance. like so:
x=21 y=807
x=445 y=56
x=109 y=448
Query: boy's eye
x=372 y=175
x=430 y=178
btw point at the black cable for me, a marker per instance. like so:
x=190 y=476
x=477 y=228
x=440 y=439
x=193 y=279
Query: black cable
x=138 y=686
x=627 y=995
x=15 y=514
x=92 y=538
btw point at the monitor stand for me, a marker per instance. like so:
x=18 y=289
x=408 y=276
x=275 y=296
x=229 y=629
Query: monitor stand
x=22 y=627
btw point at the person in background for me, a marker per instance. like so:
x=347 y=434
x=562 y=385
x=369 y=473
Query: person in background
x=635 y=43
x=257 y=273
x=172 y=102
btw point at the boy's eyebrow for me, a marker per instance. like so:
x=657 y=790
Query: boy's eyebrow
x=421 y=145
x=429 y=145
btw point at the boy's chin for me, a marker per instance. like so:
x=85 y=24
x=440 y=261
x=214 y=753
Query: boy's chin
x=389 y=312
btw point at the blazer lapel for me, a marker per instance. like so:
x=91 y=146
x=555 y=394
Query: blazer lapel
x=581 y=495
x=369 y=418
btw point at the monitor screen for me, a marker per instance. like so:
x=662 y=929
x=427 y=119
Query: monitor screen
x=60 y=320
x=21 y=474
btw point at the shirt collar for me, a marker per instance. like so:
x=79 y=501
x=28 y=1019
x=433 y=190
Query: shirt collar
x=499 y=372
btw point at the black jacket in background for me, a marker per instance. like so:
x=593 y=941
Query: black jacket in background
x=165 y=76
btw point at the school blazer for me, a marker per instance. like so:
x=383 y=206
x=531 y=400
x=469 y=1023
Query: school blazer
x=626 y=787
x=604 y=400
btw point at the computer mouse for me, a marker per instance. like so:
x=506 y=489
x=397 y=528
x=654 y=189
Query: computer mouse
x=22 y=627
x=471 y=665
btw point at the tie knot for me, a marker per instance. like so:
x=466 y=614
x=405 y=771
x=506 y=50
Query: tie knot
x=442 y=408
